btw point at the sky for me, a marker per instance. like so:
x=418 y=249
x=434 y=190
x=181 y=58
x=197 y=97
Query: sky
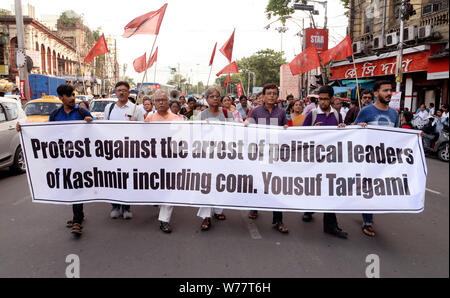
x=191 y=28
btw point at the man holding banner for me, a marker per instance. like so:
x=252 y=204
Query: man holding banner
x=377 y=114
x=163 y=114
x=70 y=112
x=325 y=115
x=270 y=114
x=122 y=110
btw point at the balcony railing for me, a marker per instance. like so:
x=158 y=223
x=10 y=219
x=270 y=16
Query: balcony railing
x=436 y=19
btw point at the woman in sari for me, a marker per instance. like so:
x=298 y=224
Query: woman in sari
x=295 y=117
x=227 y=104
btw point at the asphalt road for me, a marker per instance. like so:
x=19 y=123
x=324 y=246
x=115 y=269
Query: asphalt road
x=34 y=241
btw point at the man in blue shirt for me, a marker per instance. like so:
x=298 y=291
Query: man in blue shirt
x=70 y=112
x=378 y=113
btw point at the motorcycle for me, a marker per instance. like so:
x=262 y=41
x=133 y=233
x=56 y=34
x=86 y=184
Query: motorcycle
x=438 y=148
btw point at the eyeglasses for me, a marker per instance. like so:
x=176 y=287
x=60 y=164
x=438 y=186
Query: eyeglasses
x=272 y=94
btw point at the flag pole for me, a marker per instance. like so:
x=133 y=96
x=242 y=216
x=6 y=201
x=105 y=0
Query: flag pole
x=357 y=83
x=154 y=77
x=242 y=84
x=143 y=78
x=207 y=84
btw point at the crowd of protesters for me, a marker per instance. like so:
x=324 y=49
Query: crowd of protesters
x=265 y=108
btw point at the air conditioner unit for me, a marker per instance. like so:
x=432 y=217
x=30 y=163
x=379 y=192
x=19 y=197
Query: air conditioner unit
x=378 y=42
x=409 y=33
x=391 y=39
x=425 y=31
x=358 y=47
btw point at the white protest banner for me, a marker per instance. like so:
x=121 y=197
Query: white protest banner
x=321 y=169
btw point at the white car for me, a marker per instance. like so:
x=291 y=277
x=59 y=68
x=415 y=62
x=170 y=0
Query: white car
x=97 y=107
x=11 y=154
x=87 y=98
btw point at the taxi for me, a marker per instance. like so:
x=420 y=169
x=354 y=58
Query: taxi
x=38 y=110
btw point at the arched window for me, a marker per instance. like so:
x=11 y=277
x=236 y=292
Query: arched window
x=49 y=61
x=43 y=68
x=55 y=65
x=13 y=45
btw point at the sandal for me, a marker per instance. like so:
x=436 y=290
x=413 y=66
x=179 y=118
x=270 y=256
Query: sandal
x=77 y=229
x=368 y=230
x=281 y=228
x=165 y=227
x=253 y=214
x=206 y=224
x=69 y=223
x=220 y=216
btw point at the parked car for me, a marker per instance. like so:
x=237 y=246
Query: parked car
x=87 y=98
x=11 y=154
x=97 y=107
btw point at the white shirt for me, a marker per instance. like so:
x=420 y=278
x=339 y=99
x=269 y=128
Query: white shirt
x=422 y=115
x=123 y=113
x=432 y=111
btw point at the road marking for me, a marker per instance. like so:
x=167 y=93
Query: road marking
x=18 y=202
x=251 y=226
x=433 y=191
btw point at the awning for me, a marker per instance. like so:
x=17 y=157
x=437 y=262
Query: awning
x=438 y=68
x=414 y=60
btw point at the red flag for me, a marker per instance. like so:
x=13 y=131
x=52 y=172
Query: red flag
x=148 y=23
x=212 y=56
x=343 y=50
x=230 y=68
x=305 y=61
x=139 y=63
x=100 y=48
x=239 y=89
x=228 y=80
x=227 y=49
x=153 y=59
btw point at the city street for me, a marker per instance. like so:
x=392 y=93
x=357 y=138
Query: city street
x=35 y=241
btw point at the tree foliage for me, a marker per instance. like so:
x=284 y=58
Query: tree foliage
x=280 y=8
x=346 y=4
x=265 y=64
x=177 y=80
x=5 y=12
x=70 y=18
x=130 y=81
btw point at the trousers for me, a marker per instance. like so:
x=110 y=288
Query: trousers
x=78 y=214
x=165 y=213
x=205 y=212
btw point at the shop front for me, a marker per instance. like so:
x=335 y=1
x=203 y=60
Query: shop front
x=425 y=69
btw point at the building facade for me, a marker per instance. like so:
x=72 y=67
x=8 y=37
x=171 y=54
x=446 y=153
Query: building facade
x=374 y=27
x=51 y=54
